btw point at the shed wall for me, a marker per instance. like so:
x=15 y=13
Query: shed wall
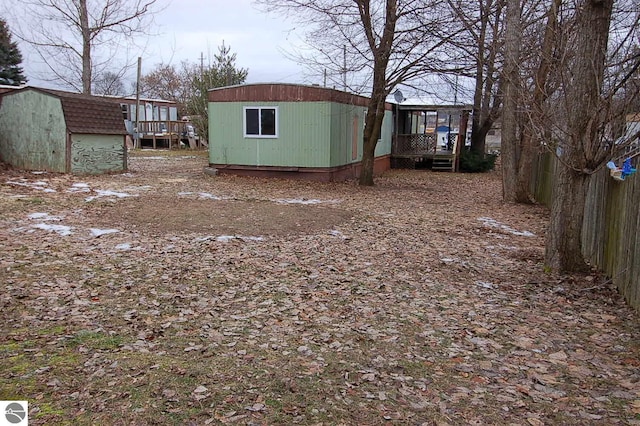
x=34 y=132
x=96 y=154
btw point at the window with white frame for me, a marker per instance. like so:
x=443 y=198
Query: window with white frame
x=260 y=122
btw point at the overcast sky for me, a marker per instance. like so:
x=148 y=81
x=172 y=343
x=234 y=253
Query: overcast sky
x=187 y=29
x=198 y=27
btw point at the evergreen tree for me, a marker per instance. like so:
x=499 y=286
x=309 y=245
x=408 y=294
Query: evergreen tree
x=10 y=58
x=222 y=72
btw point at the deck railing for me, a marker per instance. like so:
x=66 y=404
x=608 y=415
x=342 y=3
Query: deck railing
x=414 y=144
x=161 y=128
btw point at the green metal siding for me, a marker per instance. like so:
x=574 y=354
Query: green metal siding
x=310 y=134
x=96 y=154
x=33 y=133
x=303 y=135
x=384 y=144
x=343 y=118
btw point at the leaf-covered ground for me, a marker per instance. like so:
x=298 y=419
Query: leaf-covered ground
x=167 y=296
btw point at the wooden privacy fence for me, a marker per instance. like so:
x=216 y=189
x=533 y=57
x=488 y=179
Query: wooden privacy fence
x=610 y=235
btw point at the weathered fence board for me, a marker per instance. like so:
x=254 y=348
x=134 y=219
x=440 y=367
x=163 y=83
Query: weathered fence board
x=610 y=235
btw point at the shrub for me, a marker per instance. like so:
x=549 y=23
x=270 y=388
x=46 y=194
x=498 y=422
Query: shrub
x=473 y=162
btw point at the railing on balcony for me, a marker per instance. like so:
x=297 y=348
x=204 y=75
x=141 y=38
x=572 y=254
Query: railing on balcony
x=414 y=144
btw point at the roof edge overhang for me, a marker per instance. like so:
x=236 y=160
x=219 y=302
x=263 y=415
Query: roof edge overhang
x=285 y=92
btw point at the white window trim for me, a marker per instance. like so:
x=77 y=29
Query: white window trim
x=259 y=107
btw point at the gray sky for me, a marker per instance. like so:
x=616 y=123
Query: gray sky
x=183 y=30
x=187 y=29
x=198 y=27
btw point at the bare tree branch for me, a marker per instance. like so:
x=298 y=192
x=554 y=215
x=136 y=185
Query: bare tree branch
x=79 y=38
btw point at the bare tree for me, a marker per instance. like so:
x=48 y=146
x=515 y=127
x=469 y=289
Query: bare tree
x=170 y=82
x=370 y=47
x=595 y=70
x=479 y=49
x=526 y=89
x=109 y=84
x=511 y=77
x=79 y=38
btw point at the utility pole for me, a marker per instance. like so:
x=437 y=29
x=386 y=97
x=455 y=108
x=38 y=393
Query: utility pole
x=455 y=95
x=136 y=137
x=344 y=67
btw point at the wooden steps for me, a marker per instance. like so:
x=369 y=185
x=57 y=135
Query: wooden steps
x=443 y=163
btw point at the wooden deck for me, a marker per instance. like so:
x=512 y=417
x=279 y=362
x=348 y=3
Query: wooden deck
x=407 y=151
x=166 y=134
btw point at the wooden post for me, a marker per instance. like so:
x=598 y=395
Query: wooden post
x=462 y=137
x=136 y=140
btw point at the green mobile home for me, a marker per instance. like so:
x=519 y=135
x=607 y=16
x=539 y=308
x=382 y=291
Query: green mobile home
x=62 y=132
x=292 y=131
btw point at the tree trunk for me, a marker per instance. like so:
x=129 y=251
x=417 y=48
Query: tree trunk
x=524 y=170
x=509 y=141
x=477 y=138
x=372 y=130
x=86 y=47
x=563 y=247
x=375 y=110
x=583 y=99
x=528 y=140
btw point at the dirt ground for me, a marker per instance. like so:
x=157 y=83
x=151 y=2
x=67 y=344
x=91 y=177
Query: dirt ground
x=167 y=296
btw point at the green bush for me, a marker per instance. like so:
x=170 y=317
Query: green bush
x=473 y=162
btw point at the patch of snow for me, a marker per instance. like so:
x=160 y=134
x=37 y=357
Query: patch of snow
x=39 y=186
x=208 y=196
x=336 y=233
x=101 y=193
x=485 y=284
x=43 y=216
x=39 y=172
x=492 y=223
x=79 y=187
x=202 y=239
x=202 y=195
x=123 y=246
x=59 y=229
x=227 y=238
x=99 y=232
x=500 y=246
x=305 y=201
x=151 y=158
